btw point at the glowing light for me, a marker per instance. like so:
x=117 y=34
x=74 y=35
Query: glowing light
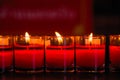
x=59 y=37
x=90 y=38
x=119 y=37
x=27 y=37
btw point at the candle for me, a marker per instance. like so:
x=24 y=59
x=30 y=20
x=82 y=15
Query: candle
x=6 y=53
x=90 y=41
x=115 y=52
x=59 y=53
x=29 y=53
x=90 y=53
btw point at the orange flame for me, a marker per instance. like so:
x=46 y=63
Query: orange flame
x=27 y=37
x=59 y=37
x=90 y=37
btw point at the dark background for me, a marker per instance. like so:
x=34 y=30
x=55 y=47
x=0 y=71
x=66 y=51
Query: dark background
x=107 y=16
x=69 y=17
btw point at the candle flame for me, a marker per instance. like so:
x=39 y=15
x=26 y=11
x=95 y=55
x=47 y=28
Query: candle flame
x=59 y=37
x=90 y=37
x=27 y=37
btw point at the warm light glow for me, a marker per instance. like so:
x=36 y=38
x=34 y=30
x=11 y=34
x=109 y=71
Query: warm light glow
x=90 y=37
x=119 y=37
x=93 y=40
x=0 y=37
x=27 y=37
x=59 y=37
x=4 y=40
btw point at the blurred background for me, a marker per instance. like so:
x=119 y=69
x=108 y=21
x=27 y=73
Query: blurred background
x=69 y=17
x=107 y=16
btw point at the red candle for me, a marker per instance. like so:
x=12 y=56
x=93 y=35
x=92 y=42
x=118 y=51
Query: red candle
x=59 y=58
x=29 y=54
x=90 y=53
x=6 y=53
x=5 y=60
x=115 y=52
x=29 y=58
x=59 y=55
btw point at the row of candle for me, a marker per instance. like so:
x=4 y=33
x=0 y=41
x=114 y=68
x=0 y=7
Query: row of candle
x=57 y=53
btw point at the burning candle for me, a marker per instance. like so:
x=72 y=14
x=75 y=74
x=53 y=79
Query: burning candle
x=59 y=53
x=6 y=53
x=92 y=41
x=115 y=52
x=90 y=53
x=29 y=53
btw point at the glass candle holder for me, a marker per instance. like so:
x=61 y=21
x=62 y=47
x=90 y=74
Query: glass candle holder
x=29 y=53
x=90 y=53
x=59 y=53
x=6 y=53
x=115 y=52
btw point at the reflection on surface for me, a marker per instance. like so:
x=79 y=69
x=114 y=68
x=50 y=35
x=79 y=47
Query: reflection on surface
x=59 y=76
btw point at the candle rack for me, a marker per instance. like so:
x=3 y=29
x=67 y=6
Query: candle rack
x=22 y=54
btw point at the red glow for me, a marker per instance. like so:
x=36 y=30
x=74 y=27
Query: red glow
x=90 y=58
x=115 y=56
x=6 y=59
x=59 y=58
x=45 y=17
x=29 y=59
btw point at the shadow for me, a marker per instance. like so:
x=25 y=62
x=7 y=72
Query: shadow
x=61 y=76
